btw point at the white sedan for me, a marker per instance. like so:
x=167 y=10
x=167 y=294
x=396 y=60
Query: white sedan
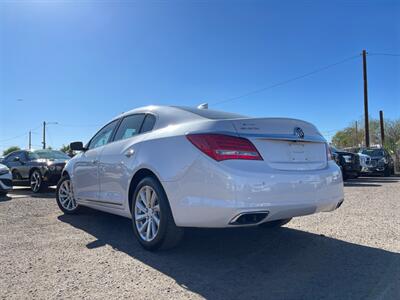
x=173 y=167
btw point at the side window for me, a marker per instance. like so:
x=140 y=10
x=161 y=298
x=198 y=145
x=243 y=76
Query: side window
x=103 y=136
x=129 y=127
x=23 y=156
x=10 y=157
x=148 y=123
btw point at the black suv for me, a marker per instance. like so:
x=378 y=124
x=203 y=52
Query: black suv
x=37 y=169
x=381 y=161
x=348 y=162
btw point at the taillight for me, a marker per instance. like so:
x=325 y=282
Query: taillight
x=222 y=147
x=329 y=155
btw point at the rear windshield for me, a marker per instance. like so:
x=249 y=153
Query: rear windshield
x=212 y=114
x=373 y=152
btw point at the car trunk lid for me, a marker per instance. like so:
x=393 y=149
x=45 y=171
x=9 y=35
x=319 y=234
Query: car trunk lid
x=285 y=144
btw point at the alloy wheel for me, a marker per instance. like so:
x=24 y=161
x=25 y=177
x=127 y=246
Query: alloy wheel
x=147 y=213
x=36 y=181
x=66 y=195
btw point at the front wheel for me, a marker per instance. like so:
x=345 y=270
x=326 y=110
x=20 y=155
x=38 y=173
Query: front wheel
x=65 y=196
x=152 y=219
x=387 y=172
x=37 y=183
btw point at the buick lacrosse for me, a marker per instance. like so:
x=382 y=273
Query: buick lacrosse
x=168 y=168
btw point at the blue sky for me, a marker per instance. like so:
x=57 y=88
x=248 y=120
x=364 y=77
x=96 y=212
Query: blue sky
x=79 y=63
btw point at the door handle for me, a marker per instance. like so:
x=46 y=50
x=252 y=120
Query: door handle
x=95 y=161
x=129 y=152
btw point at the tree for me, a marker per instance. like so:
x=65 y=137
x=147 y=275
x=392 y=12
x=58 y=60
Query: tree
x=11 y=149
x=349 y=137
x=65 y=149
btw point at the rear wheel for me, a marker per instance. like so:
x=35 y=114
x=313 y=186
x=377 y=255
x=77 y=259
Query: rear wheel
x=65 y=196
x=36 y=182
x=152 y=219
x=275 y=224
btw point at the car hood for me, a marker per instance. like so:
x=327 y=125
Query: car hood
x=51 y=161
x=376 y=157
x=344 y=153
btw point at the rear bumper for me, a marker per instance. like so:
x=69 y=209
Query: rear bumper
x=211 y=195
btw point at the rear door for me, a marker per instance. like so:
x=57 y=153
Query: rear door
x=118 y=158
x=285 y=144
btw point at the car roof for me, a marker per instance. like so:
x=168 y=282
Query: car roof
x=178 y=114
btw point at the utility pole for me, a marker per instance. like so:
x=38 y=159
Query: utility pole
x=382 y=127
x=364 y=54
x=356 y=133
x=30 y=140
x=44 y=135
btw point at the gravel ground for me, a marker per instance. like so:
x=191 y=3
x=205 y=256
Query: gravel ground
x=352 y=253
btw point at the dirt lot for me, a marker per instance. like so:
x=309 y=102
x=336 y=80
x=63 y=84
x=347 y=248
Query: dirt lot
x=352 y=253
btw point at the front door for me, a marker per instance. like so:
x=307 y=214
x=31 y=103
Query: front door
x=86 y=169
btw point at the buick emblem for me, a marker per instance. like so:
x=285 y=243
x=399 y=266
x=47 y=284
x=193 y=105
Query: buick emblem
x=299 y=132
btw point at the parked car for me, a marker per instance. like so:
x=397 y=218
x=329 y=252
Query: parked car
x=381 y=161
x=37 y=169
x=365 y=162
x=173 y=167
x=348 y=162
x=5 y=180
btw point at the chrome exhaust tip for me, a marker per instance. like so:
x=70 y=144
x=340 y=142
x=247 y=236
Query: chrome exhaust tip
x=249 y=218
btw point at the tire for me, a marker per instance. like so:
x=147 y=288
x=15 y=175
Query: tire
x=275 y=224
x=65 y=196
x=3 y=193
x=146 y=210
x=387 y=172
x=36 y=182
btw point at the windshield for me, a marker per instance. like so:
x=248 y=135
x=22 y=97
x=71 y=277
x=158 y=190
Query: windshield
x=373 y=152
x=48 y=154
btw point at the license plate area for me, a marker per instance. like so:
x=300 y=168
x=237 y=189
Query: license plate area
x=297 y=152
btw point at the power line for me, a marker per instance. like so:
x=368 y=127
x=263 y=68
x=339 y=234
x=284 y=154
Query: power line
x=287 y=81
x=384 y=54
x=19 y=136
x=73 y=125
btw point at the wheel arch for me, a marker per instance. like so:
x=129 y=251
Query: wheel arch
x=139 y=175
x=64 y=173
x=33 y=169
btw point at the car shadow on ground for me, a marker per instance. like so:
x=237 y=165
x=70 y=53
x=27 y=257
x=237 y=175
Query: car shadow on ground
x=256 y=263
x=25 y=192
x=370 y=181
x=4 y=198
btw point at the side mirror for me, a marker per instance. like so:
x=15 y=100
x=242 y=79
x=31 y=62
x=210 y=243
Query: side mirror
x=16 y=158
x=77 y=146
